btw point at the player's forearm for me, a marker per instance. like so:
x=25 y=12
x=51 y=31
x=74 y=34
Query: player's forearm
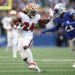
x=44 y=21
x=5 y=26
x=53 y=29
x=12 y=23
x=70 y=23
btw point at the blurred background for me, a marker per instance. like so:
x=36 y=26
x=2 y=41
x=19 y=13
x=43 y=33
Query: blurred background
x=55 y=39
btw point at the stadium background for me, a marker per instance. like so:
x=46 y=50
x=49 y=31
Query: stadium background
x=52 y=39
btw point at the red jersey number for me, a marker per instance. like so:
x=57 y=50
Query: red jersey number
x=26 y=28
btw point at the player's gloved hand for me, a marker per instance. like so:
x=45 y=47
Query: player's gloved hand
x=43 y=32
x=15 y=26
x=65 y=23
x=19 y=27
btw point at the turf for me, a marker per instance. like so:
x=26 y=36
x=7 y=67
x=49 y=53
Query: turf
x=52 y=61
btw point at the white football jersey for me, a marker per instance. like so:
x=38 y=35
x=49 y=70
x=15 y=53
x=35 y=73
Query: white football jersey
x=6 y=24
x=29 y=23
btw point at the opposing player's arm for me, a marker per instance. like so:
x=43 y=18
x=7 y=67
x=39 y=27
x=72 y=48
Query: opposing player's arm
x=51 y=29
x=69 y=23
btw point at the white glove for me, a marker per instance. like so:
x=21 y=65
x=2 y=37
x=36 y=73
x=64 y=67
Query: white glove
x=19 y=27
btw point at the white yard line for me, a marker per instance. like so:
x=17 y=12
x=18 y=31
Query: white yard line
x=55 y=60
x=42 y=60
x=37 y=63
x=41 y=71
x=12 y=67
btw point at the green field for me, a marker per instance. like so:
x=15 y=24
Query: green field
x=52 y=61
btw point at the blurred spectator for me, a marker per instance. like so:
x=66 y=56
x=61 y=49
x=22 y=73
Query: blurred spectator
x=3 y=31
x=61 y=39
x=73 y=4
x=3 y=3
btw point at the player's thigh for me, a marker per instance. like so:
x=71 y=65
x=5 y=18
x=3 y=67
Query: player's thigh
x=9 y=40
x=27 y=41
x=15 y=40
x=20 y=44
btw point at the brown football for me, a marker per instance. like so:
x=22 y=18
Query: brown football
x=21 y=24
x=17 y=23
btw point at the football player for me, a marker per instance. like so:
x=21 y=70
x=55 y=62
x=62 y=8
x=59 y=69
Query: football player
x=11 y=32
x=65 y=20
x=25 y=23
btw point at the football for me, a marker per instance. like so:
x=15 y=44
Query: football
x=17 y=23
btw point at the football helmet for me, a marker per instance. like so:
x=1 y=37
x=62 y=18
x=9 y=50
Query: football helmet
x=31 y=9
x=13 y=14
x=59 y=9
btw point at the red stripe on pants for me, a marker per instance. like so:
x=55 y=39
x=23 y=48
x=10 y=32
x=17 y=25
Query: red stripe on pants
x=30 y=43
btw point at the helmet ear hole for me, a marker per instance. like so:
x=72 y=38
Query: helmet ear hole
x=56 y=11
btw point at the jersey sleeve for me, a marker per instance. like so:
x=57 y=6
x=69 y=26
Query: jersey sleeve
x=20 y=14
x=38 y=17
